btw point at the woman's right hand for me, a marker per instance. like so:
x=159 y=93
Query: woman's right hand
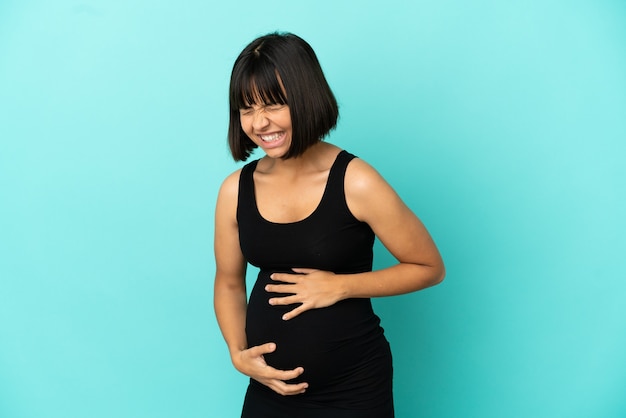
x=252 y=363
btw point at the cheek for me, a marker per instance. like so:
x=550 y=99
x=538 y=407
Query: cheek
x=245 y=125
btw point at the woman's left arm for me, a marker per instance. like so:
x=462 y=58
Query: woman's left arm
x=372 y=200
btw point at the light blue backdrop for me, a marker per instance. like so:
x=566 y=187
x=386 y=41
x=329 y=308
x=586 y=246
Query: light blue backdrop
x=502 y=124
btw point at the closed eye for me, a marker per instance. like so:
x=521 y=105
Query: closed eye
x=275 y=107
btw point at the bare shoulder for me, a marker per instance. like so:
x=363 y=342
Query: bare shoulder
x=362 y=179
x=230 y=185
x=365 y=189
x=228 y=195
x=360 y=176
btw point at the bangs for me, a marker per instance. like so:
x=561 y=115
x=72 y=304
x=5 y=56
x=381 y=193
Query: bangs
x=258 y=86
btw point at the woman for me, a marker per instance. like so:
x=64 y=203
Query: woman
x=306 y=214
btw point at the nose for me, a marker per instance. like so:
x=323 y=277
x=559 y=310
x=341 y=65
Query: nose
x=259 y=120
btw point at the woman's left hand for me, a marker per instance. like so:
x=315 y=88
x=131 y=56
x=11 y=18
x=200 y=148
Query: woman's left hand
x=311 y=288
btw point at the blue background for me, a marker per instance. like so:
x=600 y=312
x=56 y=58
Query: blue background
x=501 y=124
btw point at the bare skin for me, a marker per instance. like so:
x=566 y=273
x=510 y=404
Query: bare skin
x=280 y=187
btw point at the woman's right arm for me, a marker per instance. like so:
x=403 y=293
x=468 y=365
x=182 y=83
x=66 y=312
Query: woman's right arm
x=230 y=286
x=230 y=299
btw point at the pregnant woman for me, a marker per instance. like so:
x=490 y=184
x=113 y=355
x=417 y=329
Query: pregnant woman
x=306 y=215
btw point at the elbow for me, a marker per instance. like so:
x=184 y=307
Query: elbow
x=439 y=273
x=442 y=274
x=428 y=275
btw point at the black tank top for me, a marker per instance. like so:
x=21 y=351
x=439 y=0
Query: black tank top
x=342 y=348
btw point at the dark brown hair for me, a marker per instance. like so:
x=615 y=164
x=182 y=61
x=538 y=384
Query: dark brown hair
x=281 y=68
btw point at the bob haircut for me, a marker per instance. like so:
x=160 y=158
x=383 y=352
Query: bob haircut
x=281 y=68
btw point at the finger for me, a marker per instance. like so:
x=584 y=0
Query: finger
x=302 y=270
x=285 y=300
x=287 y=389
x=283 y=388
x=273 y=373
x=295 y=312
x=259 y=350
x=284 y=277
x=280 y=288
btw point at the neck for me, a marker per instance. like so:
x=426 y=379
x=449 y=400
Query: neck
x=312 y=159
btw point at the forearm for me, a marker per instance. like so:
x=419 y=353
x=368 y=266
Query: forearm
x=230 y=303
x=314 y=289
x=395 y=280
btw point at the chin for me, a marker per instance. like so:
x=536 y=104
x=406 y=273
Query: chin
x=278 y=153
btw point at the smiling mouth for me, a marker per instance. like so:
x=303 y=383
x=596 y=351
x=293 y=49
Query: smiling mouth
x=271 y=137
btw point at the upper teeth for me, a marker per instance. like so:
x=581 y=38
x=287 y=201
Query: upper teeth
x=269 y=138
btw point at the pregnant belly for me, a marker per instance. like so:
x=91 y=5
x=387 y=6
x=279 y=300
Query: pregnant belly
x=330 y=343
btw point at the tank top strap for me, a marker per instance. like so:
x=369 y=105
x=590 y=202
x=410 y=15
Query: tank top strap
x=335 y=186
x=246 y=201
